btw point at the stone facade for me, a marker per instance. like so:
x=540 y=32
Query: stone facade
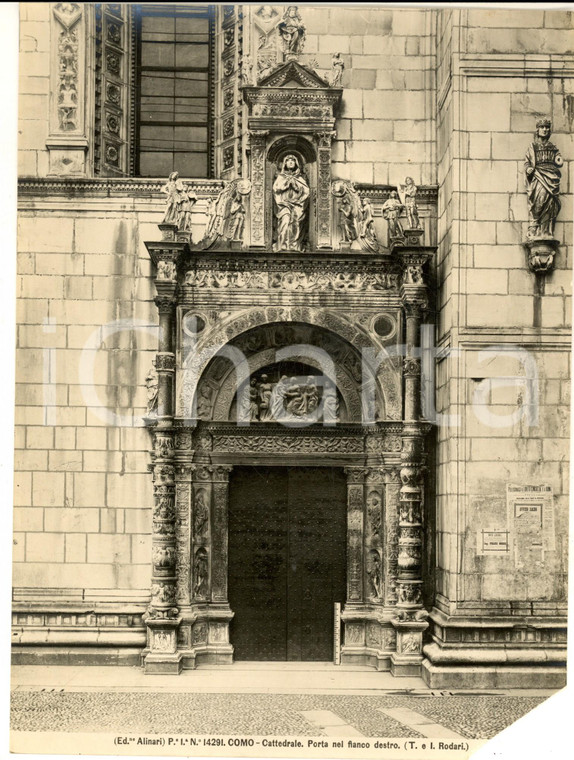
x=448 y=97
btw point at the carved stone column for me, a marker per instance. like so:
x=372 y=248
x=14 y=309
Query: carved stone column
x=391 y=553
x=257 y=205
x=67 y=142
x=410 y=621
x=162 y=617
x=324 y=199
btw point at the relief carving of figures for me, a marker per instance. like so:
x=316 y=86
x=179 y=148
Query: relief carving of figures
x=200 y=574
x=152 y=386
x=410 y=642
x=337 y=68
x=356 y=216
x=291 y=201
x=290 y=399
x=408 y=196
x=164 y=593
x=542 y=169
x=374 y=512
x=200 y=513
x=374 y=576
x=292 y=32
x=226 y=213
x=392 y=209
x=179 y=203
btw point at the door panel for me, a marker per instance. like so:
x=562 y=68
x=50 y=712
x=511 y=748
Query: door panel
x=287 y=554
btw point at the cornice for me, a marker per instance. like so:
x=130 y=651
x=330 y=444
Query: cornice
x=137 y=187
x=84 y=187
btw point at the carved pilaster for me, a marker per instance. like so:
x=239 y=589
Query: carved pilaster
x=67 y=143
x=257 y=207
x=374 y=534
x=219 y=540
x=324 y=200
x=183 y=510
x=201 y=533
x=355 y=531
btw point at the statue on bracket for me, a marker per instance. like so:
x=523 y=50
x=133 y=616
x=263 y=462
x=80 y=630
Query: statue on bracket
x=337 y=68
x=292 y=32
x=179 y=203
x=291 y=205
x=392 y=209
x=408 y=196
x=542 y=168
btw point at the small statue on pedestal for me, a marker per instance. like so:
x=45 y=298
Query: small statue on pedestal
x=337 y=68
x=408 y=196
x=392 y=209
x=179 y=203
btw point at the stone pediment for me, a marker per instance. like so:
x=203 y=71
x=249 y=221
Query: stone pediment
x=293 y=74
x=292 y=98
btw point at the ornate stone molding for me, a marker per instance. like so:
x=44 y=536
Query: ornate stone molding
x=284 y=444
x=291 y=280
x=132 y=187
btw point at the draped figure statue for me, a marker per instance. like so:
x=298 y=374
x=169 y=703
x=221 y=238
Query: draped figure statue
x=291 y=194
x=542 y=170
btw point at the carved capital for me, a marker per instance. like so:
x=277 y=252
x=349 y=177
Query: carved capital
x=324 y=139
x=165 y=362
x=165 y=303
x=411 y=367
x=221 y=473
x=355 y=475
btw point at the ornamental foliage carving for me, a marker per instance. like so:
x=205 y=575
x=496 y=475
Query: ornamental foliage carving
x=236 y=444
x=68 y=15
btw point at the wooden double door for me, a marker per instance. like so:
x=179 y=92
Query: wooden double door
x=287 y=561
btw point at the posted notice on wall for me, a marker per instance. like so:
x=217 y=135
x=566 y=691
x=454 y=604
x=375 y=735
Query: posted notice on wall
x=530 y=522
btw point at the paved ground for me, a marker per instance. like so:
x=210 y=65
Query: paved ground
x=249 y=699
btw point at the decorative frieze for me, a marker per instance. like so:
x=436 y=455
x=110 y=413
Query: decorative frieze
x=217 y=279
x=237 y=444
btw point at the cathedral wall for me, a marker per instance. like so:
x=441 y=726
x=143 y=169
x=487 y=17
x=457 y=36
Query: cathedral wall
x=490 y=97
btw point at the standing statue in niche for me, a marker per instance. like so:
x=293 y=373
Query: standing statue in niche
x=292 y=32
x=152 y=385
x=291 y=195
x=542 y=168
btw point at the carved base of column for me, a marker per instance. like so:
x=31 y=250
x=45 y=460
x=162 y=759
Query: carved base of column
x=161 y=656
x=541 y=253
x=406 y=661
